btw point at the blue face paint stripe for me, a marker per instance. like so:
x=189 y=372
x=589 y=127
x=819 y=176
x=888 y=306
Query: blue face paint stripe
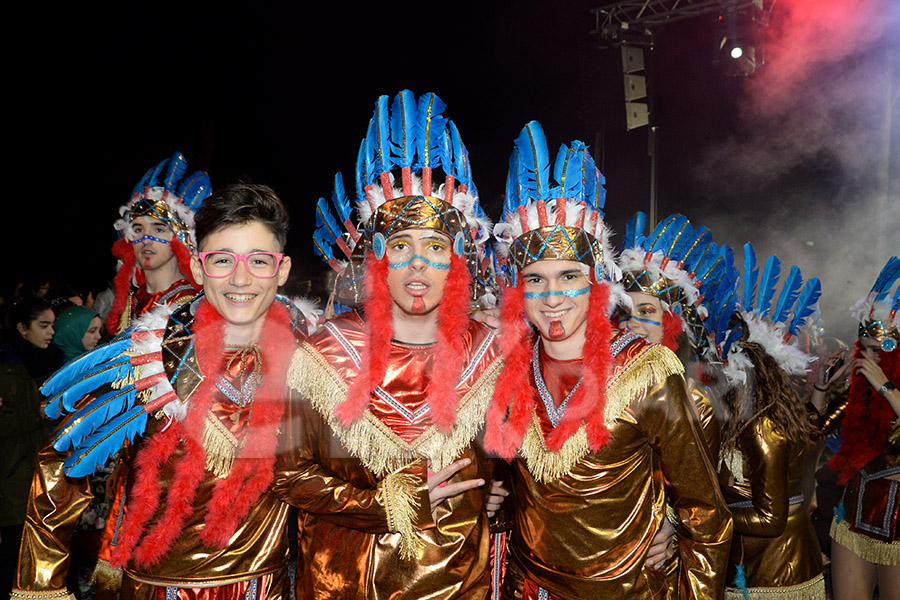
x=406 y=263
x=640 y=320
x=151 y=238
x=569 y=293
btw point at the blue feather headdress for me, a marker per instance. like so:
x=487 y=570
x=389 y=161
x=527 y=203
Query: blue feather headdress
x=408 y=145
x=169 y=193
x=553 y=211
x=674 y=262
x=877 y=310
x=773 y=317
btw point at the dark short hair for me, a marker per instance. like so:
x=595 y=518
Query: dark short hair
x=239 y=204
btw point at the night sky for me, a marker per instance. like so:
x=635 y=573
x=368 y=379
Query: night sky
x=281 y=93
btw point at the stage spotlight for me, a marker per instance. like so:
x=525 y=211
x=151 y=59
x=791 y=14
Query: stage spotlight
x=736 y=52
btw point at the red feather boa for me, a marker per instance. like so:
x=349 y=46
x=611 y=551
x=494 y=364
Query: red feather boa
x=450 y=353
x=513 y=402
x=252 y=472
x=868 y=420
x=124 y=251
x=673 y=326
x=379 y=333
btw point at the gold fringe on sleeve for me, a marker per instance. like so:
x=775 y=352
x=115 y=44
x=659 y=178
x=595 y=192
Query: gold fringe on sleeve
x=814 y=589
x=370 y=440
x=629 y=384
x=868 y=549
x=400 y=507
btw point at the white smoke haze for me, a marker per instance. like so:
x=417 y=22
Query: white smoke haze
x=814 y=166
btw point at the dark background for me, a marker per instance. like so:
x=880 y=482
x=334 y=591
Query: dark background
x=800 y=159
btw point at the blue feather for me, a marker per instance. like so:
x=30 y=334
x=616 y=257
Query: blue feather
x=108 y=373
x=512 y=201
x=93 y=415
x=175 y=170
x=339 y=198
x=751 y=272
x=383 y=159
x=105 y=442
x=767 y=283
x=324 y=218
x=533 y=163
x=634 y=230
x=740 y=581
x=362 y=173
x=682 y=242
x=194 y=190
x=895 y=305
x=322 y=243
x=446 y=152
x=568 y=172
x=806 y=304
x=702 y=239
x=461 y=168
x=659 y=237
x=592 y=179
x=78 y=367
x=429 y=129
x=788 y=295
x=403 y=128
x=889 y=273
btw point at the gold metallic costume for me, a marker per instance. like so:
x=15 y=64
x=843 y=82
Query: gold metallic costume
x=584 y=520
x=774 y=538
x=366 y=528
x=253 y=561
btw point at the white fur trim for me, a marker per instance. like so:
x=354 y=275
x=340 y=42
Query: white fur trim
x=155 y=321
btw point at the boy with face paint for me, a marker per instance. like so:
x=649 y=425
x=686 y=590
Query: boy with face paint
x=200 y=392
x=597 y=424
x=389 y=477
x=157 y=240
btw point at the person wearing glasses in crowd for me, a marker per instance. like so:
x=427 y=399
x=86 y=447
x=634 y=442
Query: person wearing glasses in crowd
x=200 y=390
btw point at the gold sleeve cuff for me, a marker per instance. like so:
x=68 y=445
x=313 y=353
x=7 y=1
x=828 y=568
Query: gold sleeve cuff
x=401 y=509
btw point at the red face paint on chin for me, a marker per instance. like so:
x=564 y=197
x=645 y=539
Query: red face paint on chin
x=556 y=330
x=418 y=305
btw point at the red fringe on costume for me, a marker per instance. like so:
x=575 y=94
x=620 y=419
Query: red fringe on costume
x=868 y=420
x=589 y=401
x=124 y=251
x=513 y=402
x=252 y=472
x=379 y=332
x=673 y=326
x=450 y=353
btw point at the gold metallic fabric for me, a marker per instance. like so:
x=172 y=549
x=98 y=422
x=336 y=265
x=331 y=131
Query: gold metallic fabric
x=773 y=539
x=556 y=242
x=585 y=534
x=345 y=481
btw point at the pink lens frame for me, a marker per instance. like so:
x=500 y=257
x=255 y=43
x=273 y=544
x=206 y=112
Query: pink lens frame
x=239 y=258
